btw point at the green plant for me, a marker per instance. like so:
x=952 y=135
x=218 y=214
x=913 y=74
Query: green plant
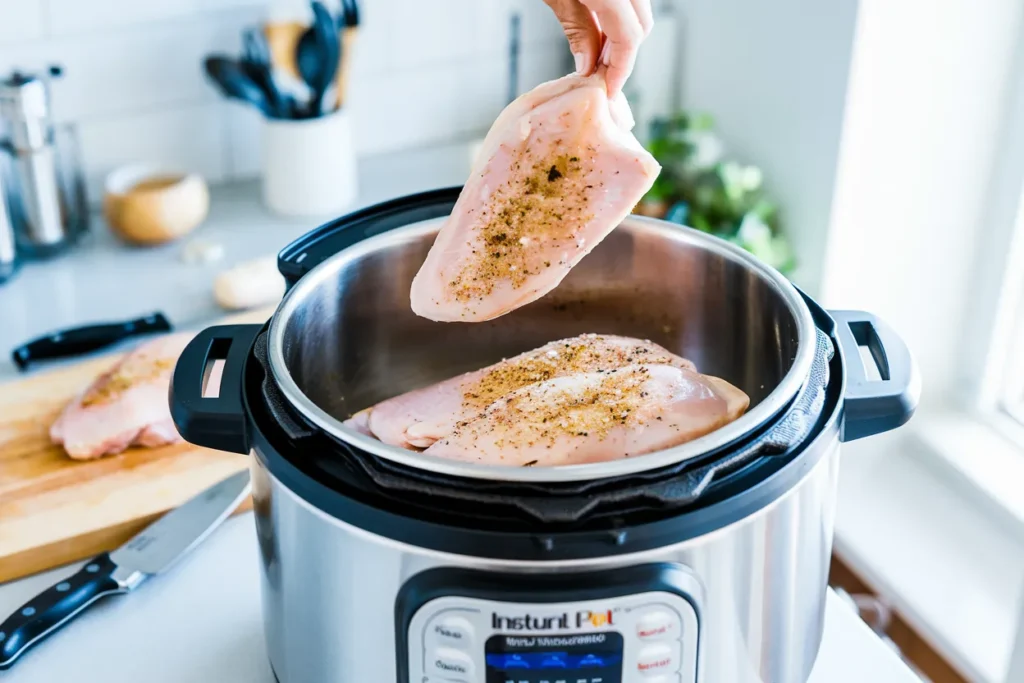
x=700 y=189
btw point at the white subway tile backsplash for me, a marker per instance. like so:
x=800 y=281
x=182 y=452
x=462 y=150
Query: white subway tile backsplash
x=21 y=20
x=189 y=138
x=423 y=72
x=375 y=42
x=243 y=140
x=75 y=17
x=148 y=66
x=416 y=107
x=442 y=31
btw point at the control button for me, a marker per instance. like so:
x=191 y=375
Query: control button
x=659 y=659
x=658 y=624
x=451 y=631
x=450 y=664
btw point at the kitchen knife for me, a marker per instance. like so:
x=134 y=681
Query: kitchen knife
x=78 y=340
x=149 y=553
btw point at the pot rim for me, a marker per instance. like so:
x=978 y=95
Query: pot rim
x=755 y=417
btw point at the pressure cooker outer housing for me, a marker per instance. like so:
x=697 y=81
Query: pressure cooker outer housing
x=337 y=552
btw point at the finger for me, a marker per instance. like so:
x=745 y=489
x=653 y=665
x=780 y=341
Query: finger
x=645 y=14
x=581 y=30
x=623 y=35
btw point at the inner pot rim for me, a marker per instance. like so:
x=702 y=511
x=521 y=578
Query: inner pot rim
x=770 y=406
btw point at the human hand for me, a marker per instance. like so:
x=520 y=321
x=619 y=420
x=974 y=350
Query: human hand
x=605 y=32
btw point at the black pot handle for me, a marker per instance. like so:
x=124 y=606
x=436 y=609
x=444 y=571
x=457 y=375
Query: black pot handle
x=310 y=250
x=875 y=406
x=214 y=422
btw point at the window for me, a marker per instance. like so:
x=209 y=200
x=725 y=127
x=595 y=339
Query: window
x=995 y=330
x=1012 y=401
x=927 y=231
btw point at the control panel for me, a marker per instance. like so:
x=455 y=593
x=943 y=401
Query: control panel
x=650 y=635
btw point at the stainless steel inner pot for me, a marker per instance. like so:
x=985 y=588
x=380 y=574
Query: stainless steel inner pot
x=345 y=337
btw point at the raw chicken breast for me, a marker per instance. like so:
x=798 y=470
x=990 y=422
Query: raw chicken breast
x=419 y=418
x=595 y=416
x=126 y=405
x=557 y=172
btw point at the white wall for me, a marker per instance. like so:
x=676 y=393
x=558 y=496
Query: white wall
x=774 y=75
x=924 y=124
x=424 y=72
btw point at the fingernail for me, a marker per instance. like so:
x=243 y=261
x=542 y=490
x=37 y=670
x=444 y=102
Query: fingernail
x=580 y=62
x=603 y=59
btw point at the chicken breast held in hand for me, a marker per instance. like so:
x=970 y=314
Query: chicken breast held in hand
x=559 y=169
x=125 y=406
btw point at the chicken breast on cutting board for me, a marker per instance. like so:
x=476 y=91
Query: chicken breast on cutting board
x=594 y=417
x=559 y=169
x=419 y=418
x=125 y=406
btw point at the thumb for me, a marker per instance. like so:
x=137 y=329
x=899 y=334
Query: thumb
x=581 y=29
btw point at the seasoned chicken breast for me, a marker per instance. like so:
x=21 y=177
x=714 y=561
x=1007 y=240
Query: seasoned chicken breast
x=559 y=169
x=125 y=406
x=595 y=416
x=585 y=399
x=419 y=418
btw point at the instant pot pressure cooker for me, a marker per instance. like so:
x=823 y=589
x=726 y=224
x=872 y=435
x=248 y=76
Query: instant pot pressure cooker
x=706 y=562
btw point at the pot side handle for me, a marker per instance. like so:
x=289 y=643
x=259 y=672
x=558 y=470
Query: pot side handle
x=873 y=406
x=219 y=421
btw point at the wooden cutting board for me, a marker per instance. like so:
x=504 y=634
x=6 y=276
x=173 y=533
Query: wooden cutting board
x=55 y=510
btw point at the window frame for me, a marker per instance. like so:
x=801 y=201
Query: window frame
x=992 y=348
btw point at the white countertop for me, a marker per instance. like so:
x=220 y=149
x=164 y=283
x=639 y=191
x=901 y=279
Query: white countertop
x=201 y=622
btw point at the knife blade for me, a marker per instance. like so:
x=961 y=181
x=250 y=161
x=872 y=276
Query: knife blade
x=147 y=554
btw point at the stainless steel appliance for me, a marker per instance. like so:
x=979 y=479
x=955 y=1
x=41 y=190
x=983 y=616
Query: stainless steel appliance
x=46 y=193
x=8 y=246
x=706 y=562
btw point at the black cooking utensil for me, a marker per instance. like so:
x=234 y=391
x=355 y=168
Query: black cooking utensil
x=281 y=106
x=256 y=65
x=234 y=82
x=78 y=340
x=349 y=14
x=317 y=56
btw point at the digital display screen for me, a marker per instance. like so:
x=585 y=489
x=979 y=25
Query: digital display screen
x=574 y=658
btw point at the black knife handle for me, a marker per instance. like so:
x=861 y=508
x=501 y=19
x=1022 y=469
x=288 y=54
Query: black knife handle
x=78 y=340
x=56 y=606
